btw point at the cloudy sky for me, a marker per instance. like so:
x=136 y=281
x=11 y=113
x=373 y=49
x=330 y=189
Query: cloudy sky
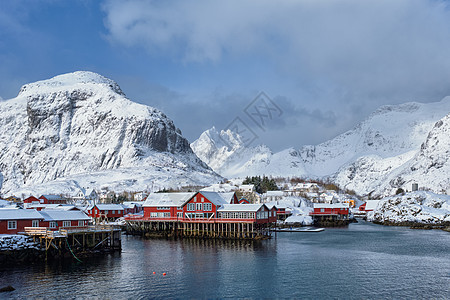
x=324 y=65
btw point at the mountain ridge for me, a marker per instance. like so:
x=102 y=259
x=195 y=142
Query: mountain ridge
x=369 y=159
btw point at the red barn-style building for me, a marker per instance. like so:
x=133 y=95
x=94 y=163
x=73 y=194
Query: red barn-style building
x=13 y=221
x=33 y=200
x=52 y=199
x=337 y=211
x=205 y=207
x=109 y=211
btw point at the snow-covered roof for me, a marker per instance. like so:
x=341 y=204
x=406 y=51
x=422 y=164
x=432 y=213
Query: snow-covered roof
x=274 y=193
x=306 y=185
x=167 y=199
x=61 y=215
x=140 y=203
x=107 y=206
x=332 y=205
x=240 y=207
x=372 y=204
x=50 y=206
x=217 y=198
x=52 y=197
x=19 y=214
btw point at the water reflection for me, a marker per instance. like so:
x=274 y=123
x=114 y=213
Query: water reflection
x=361 y=261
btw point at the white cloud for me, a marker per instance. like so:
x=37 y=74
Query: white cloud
x=347 y=56
x=367 y=47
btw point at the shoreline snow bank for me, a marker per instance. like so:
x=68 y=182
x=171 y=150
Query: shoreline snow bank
x=416 y=207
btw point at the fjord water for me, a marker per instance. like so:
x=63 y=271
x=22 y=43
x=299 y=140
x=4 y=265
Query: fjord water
x=361 y=261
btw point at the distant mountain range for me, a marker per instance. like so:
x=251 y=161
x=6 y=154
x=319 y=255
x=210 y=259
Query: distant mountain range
x=395 y=146
x=79 y=130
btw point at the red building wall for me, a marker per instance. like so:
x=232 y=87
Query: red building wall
x=73 y=223
x=330 y=211
x=21 y=224
x=95 y=213
x=31 y=199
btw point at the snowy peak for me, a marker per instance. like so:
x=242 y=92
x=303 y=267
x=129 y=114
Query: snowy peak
x=70 y=81
x=227 y=155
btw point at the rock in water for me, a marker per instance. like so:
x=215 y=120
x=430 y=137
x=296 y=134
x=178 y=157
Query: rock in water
x=7 y=289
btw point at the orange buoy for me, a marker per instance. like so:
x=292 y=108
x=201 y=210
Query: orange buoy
x=154 y=272
x=164 y=274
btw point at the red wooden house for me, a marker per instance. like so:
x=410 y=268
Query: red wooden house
x=132 y=207
x=52 y=199
x=338 y=211
x=13 y=221
x=109 y=211
x=204 y=206
x=166 y=205
x=32 y=200
x=57 y=219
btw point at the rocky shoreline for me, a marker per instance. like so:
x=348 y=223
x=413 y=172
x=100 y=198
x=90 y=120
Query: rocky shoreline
x=415 y=225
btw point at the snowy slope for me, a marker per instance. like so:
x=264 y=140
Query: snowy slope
x=381 y=154
x=77 y=124
x=420 y=207
x=227 y=155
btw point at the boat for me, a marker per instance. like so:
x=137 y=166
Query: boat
x=299 y=229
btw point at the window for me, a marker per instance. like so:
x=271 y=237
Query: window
x=12 y=224
x=66 y=223
x=203 y=199
x=191 y=206
x=207 y=206
x=106 y=211
x=153 y=215
x=199 y=206
x=80 y=223
x=35 y=223
x=179 y=215
x=53 y=224
x=322 y=209
x=113 y=212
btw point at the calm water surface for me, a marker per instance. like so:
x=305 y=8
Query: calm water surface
x=363 y=261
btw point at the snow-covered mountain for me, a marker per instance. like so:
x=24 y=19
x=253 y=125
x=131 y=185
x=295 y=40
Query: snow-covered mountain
x=394 y=147
x=79 y=129
x=226 y=153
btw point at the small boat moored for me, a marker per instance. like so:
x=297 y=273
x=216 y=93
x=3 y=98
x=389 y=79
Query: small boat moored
x=299 y=229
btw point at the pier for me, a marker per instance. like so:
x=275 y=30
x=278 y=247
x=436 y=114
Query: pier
x=212 y=229
x=78 y=240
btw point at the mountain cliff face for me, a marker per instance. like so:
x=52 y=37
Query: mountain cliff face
x=81 y=123
x=394 y=147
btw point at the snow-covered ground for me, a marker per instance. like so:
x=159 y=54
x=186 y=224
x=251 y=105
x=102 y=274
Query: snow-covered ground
x=298 y=207
x=416 y=207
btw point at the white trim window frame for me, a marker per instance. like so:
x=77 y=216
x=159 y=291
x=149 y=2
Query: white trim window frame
x=12 y=225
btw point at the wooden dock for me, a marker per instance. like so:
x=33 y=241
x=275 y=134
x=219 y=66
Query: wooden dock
x=213 y=229
x=75 y=240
